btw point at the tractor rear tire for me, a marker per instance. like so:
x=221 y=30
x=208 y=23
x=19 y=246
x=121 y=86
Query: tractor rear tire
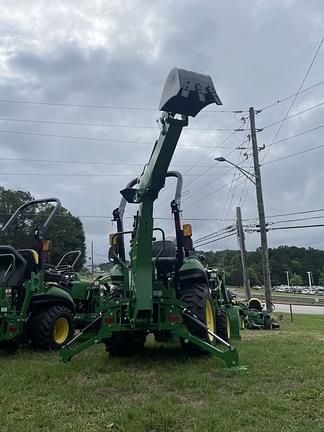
x=223 y=326
x=198 y=300
x=52 y=328
x=124 y=344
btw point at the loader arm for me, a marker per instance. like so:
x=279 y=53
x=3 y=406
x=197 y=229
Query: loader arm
x=185 y=94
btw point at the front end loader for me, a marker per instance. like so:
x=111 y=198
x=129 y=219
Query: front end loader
x=33 y=307
x=163 y=289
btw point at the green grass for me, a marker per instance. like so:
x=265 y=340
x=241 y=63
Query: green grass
x=282 y=390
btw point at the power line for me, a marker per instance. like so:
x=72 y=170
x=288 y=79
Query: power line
x=295 y=227
x=232 y=192
x=112 y=107
x=199 y=160
x=83 y=175
x=215 y=235
x=229 y=227
x=90 y=138
x=214 y=240
x=105 y=125
x=293 y=154
x=279 y=101
x=215 y=179
x=215 y=191
x=293 y=115
x=287 y=214
x=297 y=135
x=294 y=98
x=295 y=213
x=296 y=220
x=125 y=217
x=79 y=162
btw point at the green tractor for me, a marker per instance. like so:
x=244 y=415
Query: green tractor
x=252 y=313
x=88 y=295
x=222 y=303
x=163 y=290
x=33 y=307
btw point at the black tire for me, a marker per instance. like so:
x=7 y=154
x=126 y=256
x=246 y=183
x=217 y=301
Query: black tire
x=10 y=347
x=198 y=300
x=163 y=336
x=52 y=328
x=267 y=323
x=223 y=326
x=123 y=344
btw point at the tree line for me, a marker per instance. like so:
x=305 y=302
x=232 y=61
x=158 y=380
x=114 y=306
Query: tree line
x=296 y=260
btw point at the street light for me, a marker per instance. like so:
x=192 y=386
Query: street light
x=255 y=178
x=247 y=174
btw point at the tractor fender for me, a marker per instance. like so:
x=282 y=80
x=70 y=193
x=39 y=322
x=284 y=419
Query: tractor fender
x=192 y=270
x=54 y=295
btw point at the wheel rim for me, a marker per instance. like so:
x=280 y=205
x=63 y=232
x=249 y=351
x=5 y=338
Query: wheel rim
x=242 y=322
x=210 y=319
x=61 y=330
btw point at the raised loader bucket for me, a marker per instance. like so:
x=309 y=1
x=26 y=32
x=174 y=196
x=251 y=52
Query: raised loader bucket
x=187 y=93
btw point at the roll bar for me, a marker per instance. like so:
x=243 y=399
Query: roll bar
x=42 y=229
x=118 y=213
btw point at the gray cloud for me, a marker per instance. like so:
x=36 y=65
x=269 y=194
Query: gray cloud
x=119 y=55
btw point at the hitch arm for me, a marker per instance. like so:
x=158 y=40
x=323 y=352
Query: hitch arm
x=230 y=357
x=67 y=352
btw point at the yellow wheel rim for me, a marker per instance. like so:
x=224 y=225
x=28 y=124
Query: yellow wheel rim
x=210 y=319
x=242 y=323
x=61 y=330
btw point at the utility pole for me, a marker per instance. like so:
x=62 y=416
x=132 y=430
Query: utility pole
x=287 y=273
x=262 y=222
x=92 y=258
x=240 y=234
x=309 y=274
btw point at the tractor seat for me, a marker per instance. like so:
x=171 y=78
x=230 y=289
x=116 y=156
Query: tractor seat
x=32 y=259
x=17 y=277
x=52 y=275
x=255 y=303
x=165 y=261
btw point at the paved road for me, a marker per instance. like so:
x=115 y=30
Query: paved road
x=311 y=310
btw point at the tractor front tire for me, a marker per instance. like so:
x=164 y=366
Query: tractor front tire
x=198 y=300
x=223 y=326
x=52 y=328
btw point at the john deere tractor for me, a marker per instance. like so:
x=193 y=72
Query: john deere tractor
x=163 y=289
x=88 y=295
x=33 y=307
x=252 y=313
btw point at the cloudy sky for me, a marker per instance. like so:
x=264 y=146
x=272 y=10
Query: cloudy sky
x=80 y=83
